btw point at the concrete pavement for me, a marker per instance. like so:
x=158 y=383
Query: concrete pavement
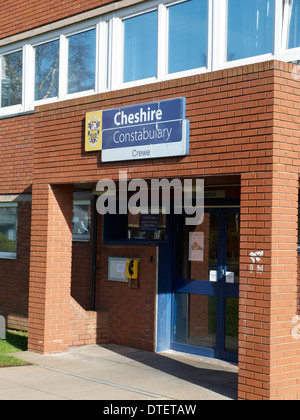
x=112 y=372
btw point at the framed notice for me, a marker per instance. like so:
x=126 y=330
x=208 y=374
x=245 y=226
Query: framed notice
x=196 y=246
x=117 y=269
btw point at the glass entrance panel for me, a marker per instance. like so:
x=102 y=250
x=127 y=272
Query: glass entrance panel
x=231 y=324
x=233 y=247
x=195 y=320
x=199 y=250
x=206 y=285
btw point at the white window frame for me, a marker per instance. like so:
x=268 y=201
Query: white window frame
x=110 y=50
x=31 y=100
x=78 y=237
x=28 y=51
x=220 y=38
x=10 y=255
x=292 y=54
x=117 y=47
x=191 y=72
x=14 y=109
x=65 y=57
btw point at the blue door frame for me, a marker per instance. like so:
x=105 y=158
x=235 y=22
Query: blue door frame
x=168 y=284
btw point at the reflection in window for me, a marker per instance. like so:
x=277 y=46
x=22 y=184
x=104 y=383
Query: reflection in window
x=11 y=79
x=233 y=247
x=8 y=228
x=195 y=320
x=140 y=47
x=250 y=28
x=188 y=35
x=199 y=262
x=82 y=61
x=231 y=325
x=46 y=70
x=294 y=27
x=81 y=220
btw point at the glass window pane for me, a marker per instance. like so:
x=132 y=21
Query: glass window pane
x=199 y=250
x=140 y=47
x=195 y=320
x=250 y=28
x=151 y=227
x=46 y=70
x=294 y=29
x=81 y=61
x=233 y=247
x=8 y=229
x=81 y=221
x=231 y=325
x=11 y=79
x=188 y=35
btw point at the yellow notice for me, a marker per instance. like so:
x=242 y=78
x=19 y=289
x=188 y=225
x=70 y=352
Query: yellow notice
x=93 y=131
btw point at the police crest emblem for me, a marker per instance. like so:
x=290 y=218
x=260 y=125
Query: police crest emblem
x=93 y=137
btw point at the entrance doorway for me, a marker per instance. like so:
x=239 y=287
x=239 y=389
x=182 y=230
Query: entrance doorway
x=205 y=285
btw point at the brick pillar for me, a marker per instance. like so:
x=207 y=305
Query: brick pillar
x=269 y=350
x=50 y=269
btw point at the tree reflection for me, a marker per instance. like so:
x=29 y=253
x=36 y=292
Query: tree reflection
x=81 y=69
x=81 y=61
x=46 y=70
x=11 y=79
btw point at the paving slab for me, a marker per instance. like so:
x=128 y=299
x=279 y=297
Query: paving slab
x=112 y=372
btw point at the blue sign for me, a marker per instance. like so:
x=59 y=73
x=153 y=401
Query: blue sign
x=145 y=131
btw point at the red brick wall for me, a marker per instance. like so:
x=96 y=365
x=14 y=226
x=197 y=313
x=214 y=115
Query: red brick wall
x=16 y=158
x=269 y=353
x=285 y=356
x=131 y=311
x=19 y=16
x=231 y=129
x=16 y=167
x=14 y=278
x=82 y=273
x=49 y=310
x=232 y=132
x=298 y=283
x=88 y=327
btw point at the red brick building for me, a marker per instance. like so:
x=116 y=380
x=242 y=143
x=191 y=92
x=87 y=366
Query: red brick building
x=237 y=301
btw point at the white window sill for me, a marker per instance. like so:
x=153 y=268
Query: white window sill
x=79 y=238
x=8 y=255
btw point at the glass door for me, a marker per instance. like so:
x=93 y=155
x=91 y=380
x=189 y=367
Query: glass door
x=205 y=285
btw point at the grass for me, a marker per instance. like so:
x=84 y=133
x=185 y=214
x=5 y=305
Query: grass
x=16 y=341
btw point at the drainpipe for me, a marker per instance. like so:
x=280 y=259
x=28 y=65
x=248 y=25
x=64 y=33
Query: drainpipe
x=94 y=254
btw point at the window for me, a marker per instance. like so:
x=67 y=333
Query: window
x=155 y=40
x=147 y=226
x=81 y=61
x=294 y=24
x=250 y=28
x=8 y=230
x=82 y=220
x=188 y=26
x=46 y=70
x=140 y=47
x=130 y=227
x=11 y=79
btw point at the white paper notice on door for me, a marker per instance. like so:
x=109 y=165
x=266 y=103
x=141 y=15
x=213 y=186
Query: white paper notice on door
x=213 y=275
x=229 y=277
x=196 y=246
